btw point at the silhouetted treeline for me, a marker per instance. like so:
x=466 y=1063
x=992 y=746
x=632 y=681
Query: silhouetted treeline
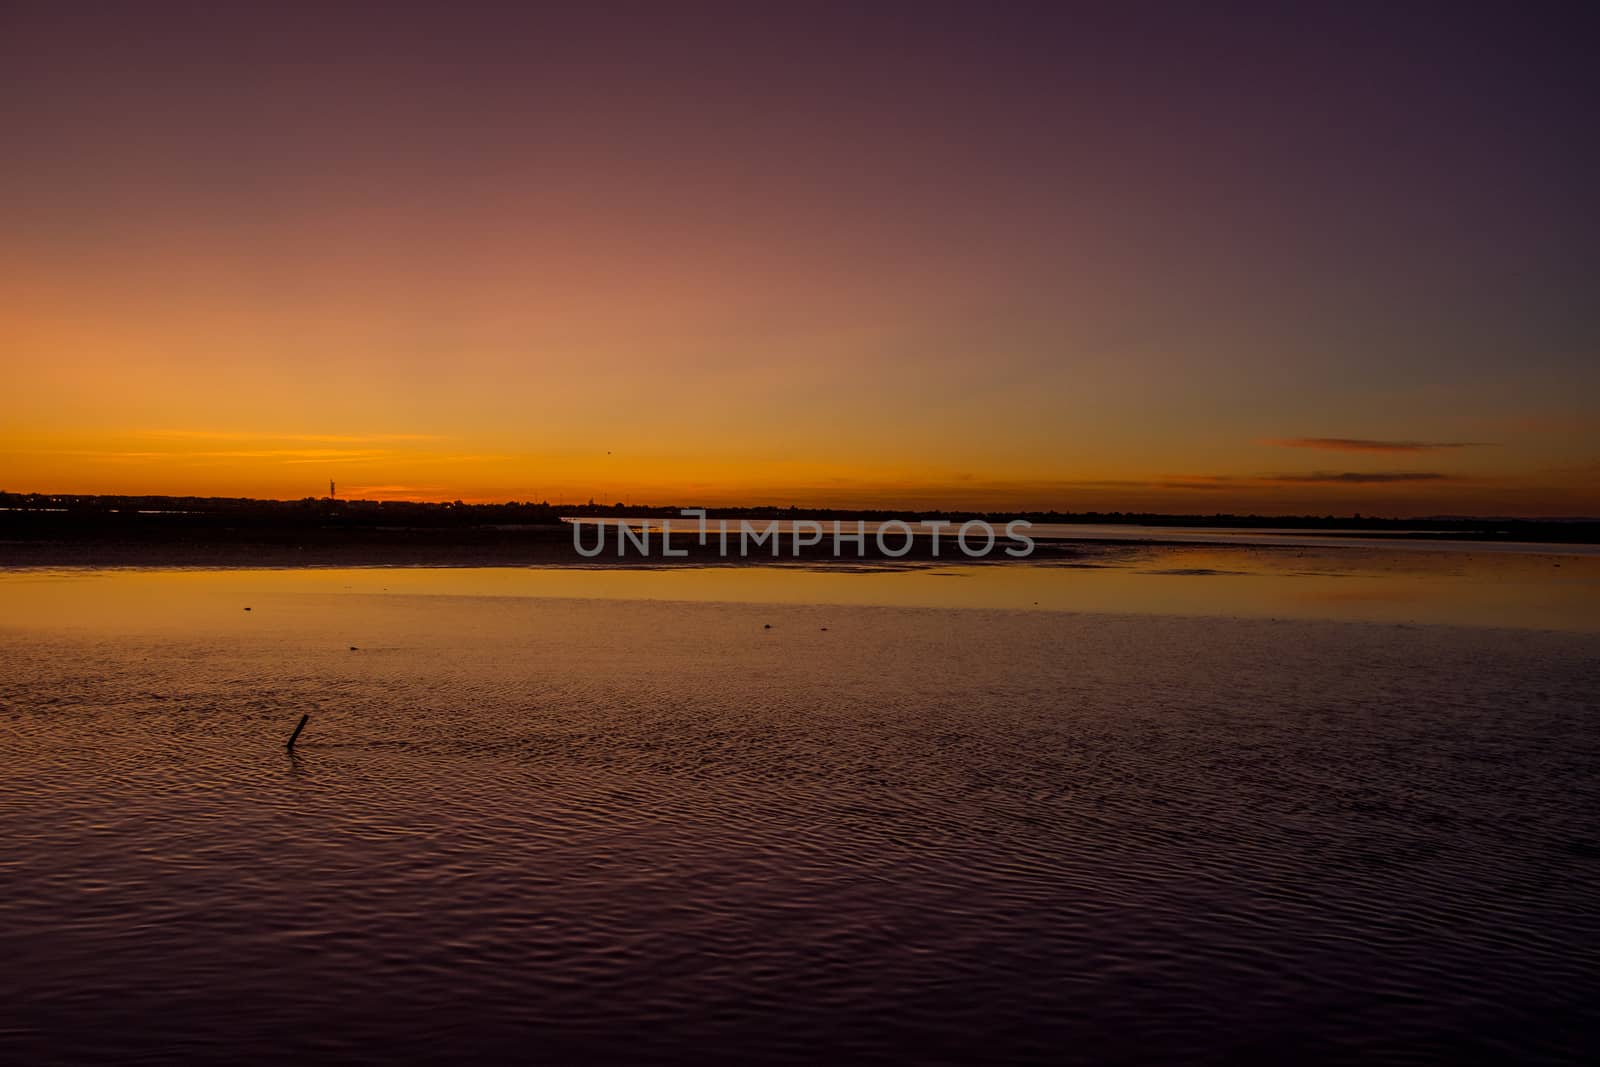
x=1507 y=528
x=38 y=515
x=311 y=511
x=57 y=529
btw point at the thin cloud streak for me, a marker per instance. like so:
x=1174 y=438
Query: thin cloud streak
x=308 y=438
x=287 y=455
x=1216 y=482
x=1364 y=444
x=1359 y=477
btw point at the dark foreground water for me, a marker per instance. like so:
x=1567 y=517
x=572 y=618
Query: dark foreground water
x=625 y=831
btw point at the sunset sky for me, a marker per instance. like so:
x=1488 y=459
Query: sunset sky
x=1138 y=257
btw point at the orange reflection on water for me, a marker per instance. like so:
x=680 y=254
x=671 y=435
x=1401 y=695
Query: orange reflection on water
x=1480 y=589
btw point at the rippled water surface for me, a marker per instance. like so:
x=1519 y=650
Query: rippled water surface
x=633 y=830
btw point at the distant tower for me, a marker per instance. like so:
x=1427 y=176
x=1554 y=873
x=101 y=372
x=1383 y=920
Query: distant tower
x=331 y=494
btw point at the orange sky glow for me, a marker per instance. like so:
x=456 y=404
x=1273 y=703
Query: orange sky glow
x=745 y=264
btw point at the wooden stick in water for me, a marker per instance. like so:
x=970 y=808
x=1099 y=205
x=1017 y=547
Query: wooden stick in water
x=296 y=735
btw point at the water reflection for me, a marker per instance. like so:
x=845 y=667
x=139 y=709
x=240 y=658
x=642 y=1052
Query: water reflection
x=1489 y=588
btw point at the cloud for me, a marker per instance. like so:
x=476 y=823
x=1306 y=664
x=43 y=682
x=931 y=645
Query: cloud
x=1168 y=481
x=1212 y=482
x=1198 y=481
x=1359 y=477
x=311 y=438
x=1364 y=444
x=285 y=455
x=291 y=455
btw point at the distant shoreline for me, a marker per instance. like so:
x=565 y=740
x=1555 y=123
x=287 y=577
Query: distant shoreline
x=20 y=511
x=64 y=531
x=551 y=546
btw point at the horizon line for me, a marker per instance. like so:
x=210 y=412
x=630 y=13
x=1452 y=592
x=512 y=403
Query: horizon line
x=848 y=509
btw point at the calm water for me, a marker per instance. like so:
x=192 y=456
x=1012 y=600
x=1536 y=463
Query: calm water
x=599 y=816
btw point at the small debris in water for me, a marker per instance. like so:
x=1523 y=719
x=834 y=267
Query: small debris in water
x=247 y=609
x=768 y=626
x=353 y=648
